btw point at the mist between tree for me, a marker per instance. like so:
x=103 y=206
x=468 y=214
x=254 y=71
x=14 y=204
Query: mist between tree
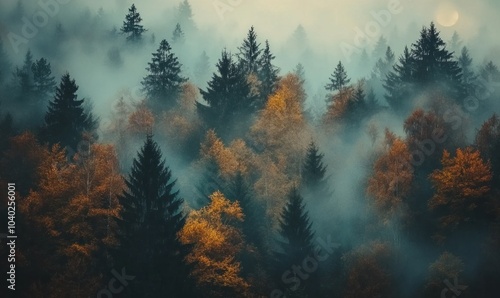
x=164 y=151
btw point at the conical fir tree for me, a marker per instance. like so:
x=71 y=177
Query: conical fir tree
x=66 y=119
x=178 y=35
x=163 y=83
x=268 y=75
x=250 y=53
x=339 y=79
x=297 y=236
x=149 y=223
x=228 y=96
x=44 y=82
x=132 y=25
x=434 y=63
x=313 y=173
x=399 y=82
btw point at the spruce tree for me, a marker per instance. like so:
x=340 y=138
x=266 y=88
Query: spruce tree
x=384 y=65
x=132 y=25
x=489 y=72
x=339 y=79
x=434 y=64
x=178 y=35
x=468 y=76
x=399 y=82
x=313 y=172
x=228 y=96
x=296 y=239
x=380 y=48
x=163 y=82
x=202 y=67
x=268 y=75
x=185 y=16
x=44 y=82
x=249 y=54
x=4 y=64
x=66 y=119
x=150 y=220
x=23 y=80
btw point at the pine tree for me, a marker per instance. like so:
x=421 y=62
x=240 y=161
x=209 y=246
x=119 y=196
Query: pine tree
x=228 y=96
x=455 y=43
x=23 y=80
x=202 y=68
x=163 y=83
x=468 y=76
x=132 y=25
x=300 y=72
x=384 y=64
x=150 y=221
x=4 y=64
x=338 y=80
x=268 y=75
x=313 y=172
x=380 y=47
x=433 y=64
x=296 y=237
x=249 y=54
x=66 y=119
x=44 y=82
x=398 y=83
x=185 y=16
x=178 y=35
x=489 y=72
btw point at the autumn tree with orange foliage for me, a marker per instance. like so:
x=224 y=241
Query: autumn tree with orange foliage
x=390 y=183
x=141 y=120
x=215 y=233
x=461 y=187
x=447 y=267
x=369 y=271
x=72 y=213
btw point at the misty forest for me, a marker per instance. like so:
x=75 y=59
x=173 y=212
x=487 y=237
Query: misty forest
x=183 y=149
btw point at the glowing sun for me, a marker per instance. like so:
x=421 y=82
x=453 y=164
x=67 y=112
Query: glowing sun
x=447 y=15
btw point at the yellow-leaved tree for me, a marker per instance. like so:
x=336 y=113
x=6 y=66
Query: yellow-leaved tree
x=217 y=239
x=461 y=187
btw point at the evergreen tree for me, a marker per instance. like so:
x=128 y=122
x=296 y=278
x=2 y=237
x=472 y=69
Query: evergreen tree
x=313 y=172
x=178 y=35
x=150 y=221
x=66 y=119
x=23 y=80
x=398 y=83
x=185 y=16
x=4 y=64
x=385 y=64
x=468 y=76
x=249 y=54
x=490 y=73
x=209 y=183
x=228 y=96
x=296 y=239
x=300 y=72
x=339 y=79
x=380 y=48
x=132 y=25
x=268 y=75
x=202 y=68
x=44 y=82
x=455 y=43
x=163 y=83
x=433 y=64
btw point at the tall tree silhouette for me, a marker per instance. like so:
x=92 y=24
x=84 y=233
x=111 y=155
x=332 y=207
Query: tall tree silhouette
x=132 y=25
x=178 y=35
x=268 y=75
x=338 y=79
x=163 y=82
x=66 y=119
x=228 y=96
x=313 y=172
x=43 y=81
x=296 y=244
x=399 y=82
x=150 y=220
x=249 y=54
x=4 y=64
